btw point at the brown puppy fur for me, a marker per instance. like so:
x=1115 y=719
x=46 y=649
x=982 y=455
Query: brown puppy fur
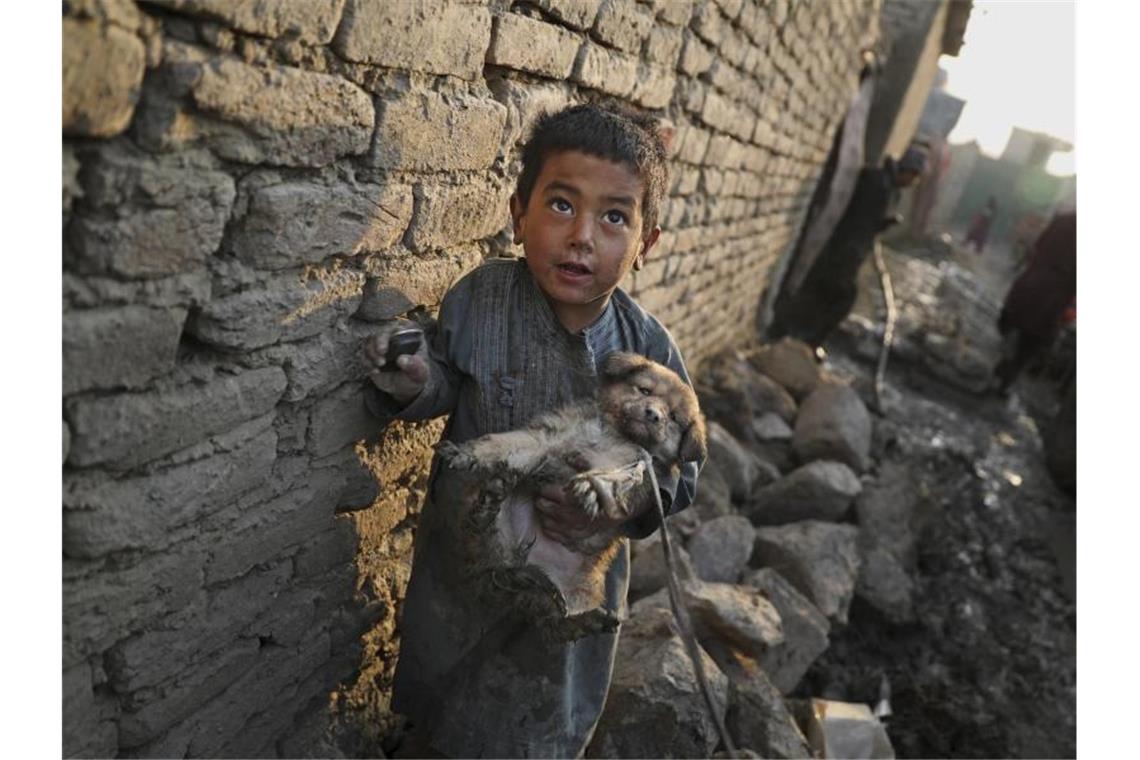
x=594 y=450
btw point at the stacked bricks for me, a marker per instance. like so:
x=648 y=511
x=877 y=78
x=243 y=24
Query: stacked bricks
x=247 y=189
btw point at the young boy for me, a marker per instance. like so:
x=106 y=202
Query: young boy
x=517 y=338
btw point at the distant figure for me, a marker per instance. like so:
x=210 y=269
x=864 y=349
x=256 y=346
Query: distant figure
x=829 y=288
x=1038 y=299
x=980 y=226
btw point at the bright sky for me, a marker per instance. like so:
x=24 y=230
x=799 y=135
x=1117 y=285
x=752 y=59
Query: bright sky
x=1017 y=68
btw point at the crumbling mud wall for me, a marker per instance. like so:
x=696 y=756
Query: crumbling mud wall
x=247 y=188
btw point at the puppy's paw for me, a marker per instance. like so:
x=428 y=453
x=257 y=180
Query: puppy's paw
x=456 y=456
x=582 y=490
x=592 y=495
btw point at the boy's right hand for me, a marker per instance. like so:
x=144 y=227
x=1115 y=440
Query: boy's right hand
x=412 y=374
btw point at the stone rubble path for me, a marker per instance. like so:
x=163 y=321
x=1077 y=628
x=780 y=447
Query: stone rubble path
x=985 y=663
x=922 y=556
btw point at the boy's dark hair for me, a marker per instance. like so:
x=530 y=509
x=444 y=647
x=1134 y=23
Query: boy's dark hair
x=611 y=131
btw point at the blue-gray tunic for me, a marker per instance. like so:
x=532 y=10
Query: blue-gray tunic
x=477 y=683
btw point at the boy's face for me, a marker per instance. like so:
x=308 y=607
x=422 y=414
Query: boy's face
x=581 y=232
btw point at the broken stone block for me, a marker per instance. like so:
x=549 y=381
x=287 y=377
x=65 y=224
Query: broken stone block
x=733 y=393
x=720 y=549
x=805 y=629
x=741 y=469
x=834 y=424
x=820 y=559
x=791 y=363
x=757 y=718
x=816 y=491
x=846 y=729
x=714 y=497
x=885 y=583
x=655 y=707
x=736 y=625
x=770 y=426
x=648 y=573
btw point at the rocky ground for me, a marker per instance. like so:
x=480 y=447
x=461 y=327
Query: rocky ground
x=922 y=556
x=986 y=667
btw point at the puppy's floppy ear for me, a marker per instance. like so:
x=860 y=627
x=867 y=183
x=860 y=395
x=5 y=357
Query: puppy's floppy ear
x=621 y=364
x=694 y=443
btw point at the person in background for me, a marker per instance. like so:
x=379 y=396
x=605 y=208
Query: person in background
x=980 y=226
x=1038 y=299
x=829 y=289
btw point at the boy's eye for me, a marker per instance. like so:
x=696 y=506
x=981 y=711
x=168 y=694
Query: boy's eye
x=561 y=206
x=615 y=217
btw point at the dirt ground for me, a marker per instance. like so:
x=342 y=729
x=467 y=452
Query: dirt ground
x=988 y=666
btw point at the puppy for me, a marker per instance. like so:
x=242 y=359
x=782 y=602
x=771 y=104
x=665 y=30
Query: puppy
x=595 y=451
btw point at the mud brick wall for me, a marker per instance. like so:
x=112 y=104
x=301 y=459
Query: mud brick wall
x=247 y=188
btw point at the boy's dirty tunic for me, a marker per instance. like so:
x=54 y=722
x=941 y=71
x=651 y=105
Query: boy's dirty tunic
x=479 y=684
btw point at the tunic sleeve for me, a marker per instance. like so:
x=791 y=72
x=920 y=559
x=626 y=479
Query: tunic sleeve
x=448 y=342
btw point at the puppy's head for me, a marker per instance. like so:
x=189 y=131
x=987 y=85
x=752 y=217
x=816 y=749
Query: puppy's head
x=653 y=407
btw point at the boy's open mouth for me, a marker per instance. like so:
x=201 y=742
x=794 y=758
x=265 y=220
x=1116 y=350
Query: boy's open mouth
x=574 y=268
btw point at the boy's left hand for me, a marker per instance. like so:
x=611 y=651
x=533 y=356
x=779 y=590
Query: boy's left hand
x=564 y=521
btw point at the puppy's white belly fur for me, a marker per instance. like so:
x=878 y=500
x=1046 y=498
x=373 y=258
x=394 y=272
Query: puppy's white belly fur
x=517 y=525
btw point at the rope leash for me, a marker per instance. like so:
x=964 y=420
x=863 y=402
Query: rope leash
x=682 y=615
x=889 y=329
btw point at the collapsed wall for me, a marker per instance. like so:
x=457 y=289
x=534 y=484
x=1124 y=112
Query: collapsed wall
x=247 y=189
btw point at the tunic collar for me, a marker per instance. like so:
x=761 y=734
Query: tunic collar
x=535 y=303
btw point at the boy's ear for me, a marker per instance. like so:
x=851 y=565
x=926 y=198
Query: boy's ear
x=517 y=213
x=647 y=244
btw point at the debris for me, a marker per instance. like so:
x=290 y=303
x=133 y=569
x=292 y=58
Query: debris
x=846 y=730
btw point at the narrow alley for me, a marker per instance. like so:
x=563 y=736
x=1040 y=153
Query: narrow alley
x=916 y=565
x=984 y=663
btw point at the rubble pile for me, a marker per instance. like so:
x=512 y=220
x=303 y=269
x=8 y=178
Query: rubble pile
x=770 y=557
x=946 y=318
